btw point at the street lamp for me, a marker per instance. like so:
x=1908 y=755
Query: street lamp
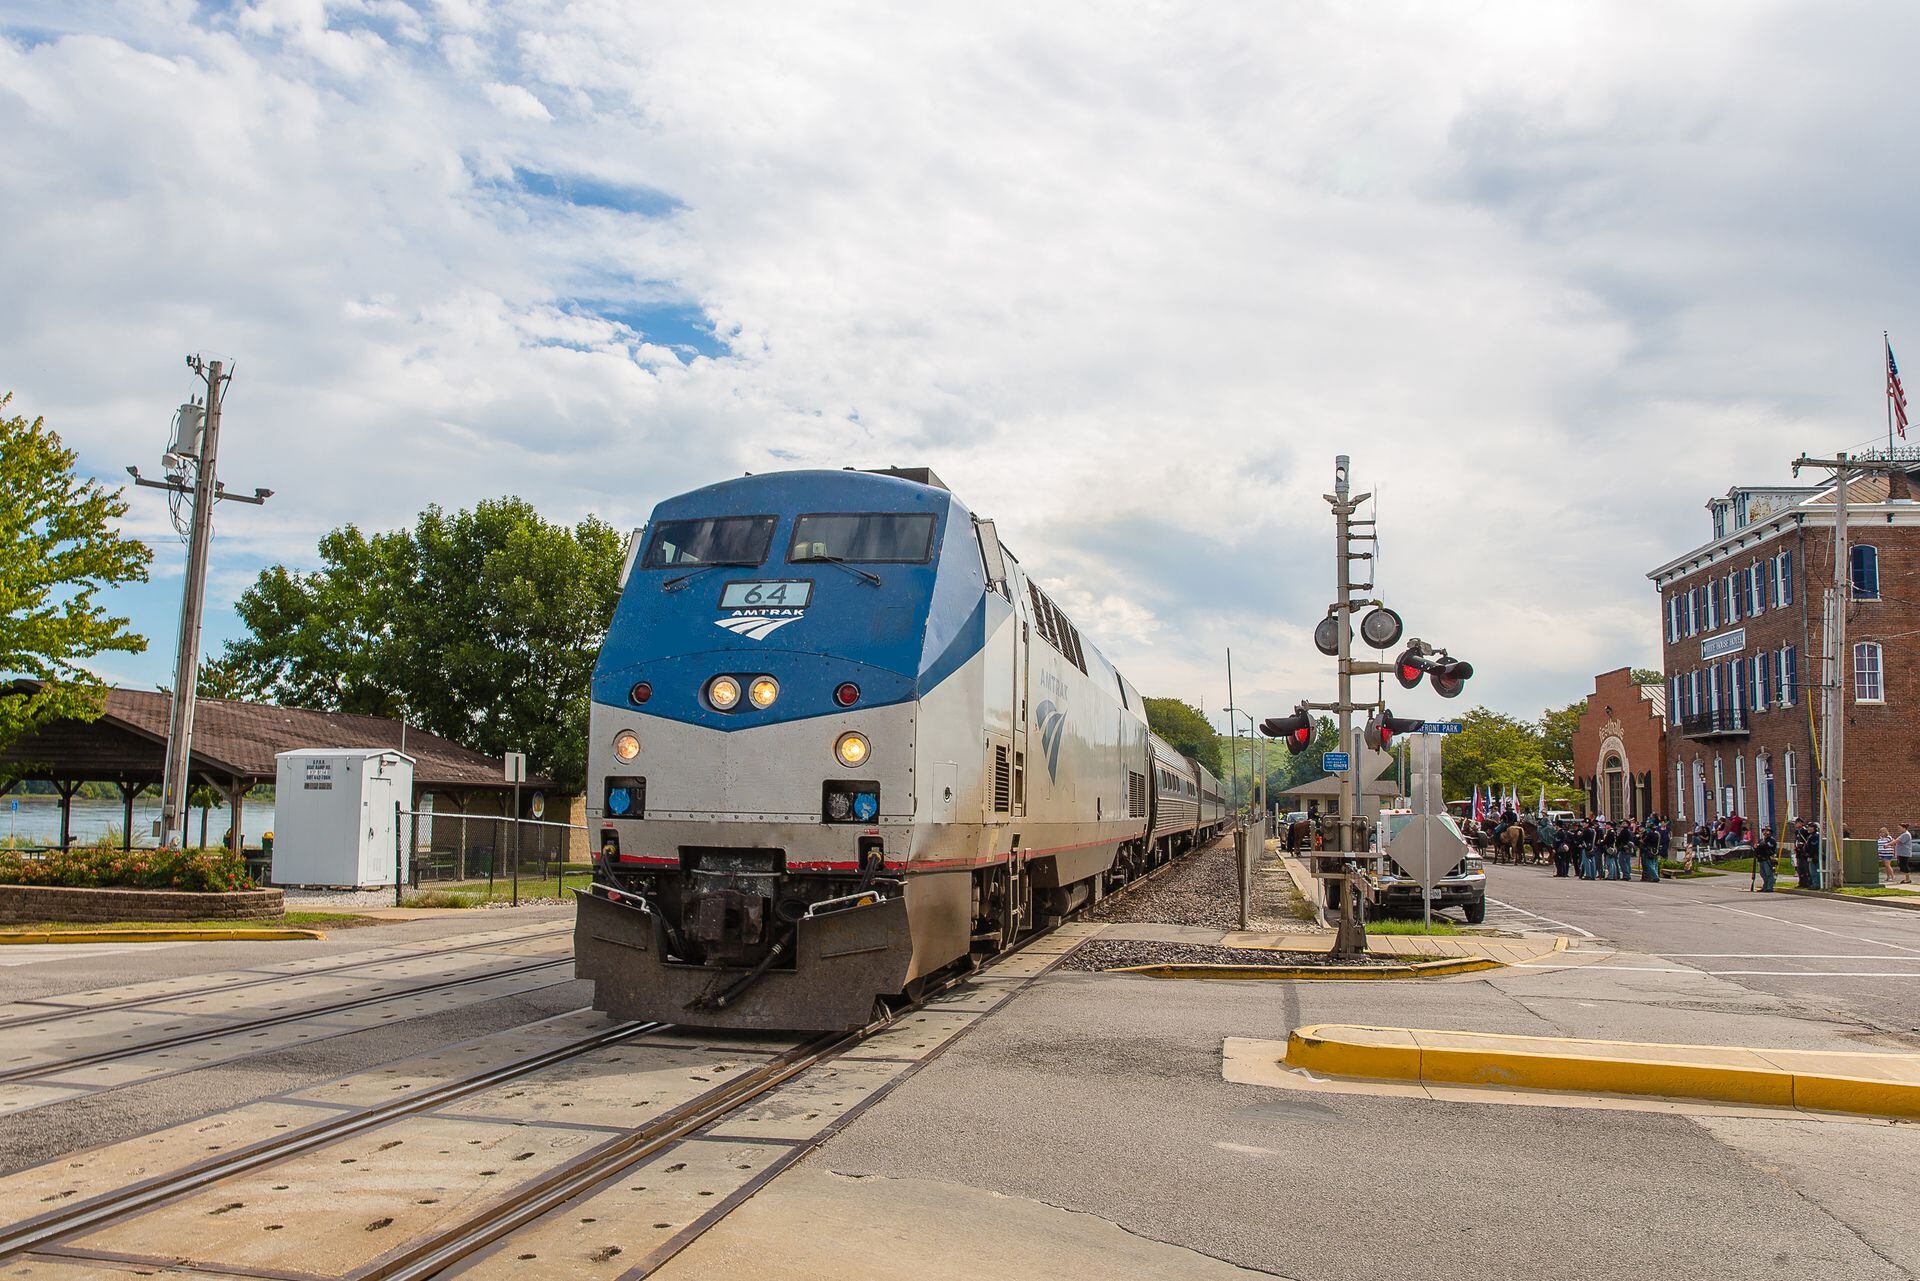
x=1259 y=786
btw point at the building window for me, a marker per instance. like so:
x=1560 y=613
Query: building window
x=1783 y=580
x=1673 y=618
x=1763 y=790
x=1789 y=677
x=1867 y=685
x=1740 y=785
x=1758 y=666
x=1734 y=593
x=1755 y=582
x=1673 y=700
x=1793 y=793
x=1719 y=789
x=1866 y=571
x=1680 y=793
x=1693 y=693
x=1712 y=592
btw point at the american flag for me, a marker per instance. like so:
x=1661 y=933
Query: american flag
x=1895 y=395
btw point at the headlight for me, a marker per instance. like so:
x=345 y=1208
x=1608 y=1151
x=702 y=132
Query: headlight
x=851 y=749
x=723 y=693
x=625 y=745
x=763 y=691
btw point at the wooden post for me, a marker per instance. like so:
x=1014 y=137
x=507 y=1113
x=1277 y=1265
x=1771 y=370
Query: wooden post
x=66 y=813
x=235 y=792
x=127 y=793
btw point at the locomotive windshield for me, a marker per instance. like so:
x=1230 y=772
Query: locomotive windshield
x=872 y=537
x=722 y=540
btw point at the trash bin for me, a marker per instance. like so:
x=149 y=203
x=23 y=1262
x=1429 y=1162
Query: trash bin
x=1860 y=862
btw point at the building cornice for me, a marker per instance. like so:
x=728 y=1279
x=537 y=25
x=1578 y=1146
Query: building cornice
x=1819 y=516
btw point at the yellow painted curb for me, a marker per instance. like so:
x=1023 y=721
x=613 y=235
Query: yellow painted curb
x=1419 y=970
x=157 y=936
x=1828 y=1081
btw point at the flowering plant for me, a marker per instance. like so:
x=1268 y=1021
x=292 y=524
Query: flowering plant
x=210 y=870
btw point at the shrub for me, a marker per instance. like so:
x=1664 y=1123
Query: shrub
x=100 y=865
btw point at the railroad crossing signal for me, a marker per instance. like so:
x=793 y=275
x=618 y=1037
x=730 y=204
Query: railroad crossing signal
x=1296 y=729
x=1450 y=675
x=1383 y=727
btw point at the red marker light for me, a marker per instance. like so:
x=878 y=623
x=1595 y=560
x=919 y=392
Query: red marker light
x=847 y=695
x=640 y=693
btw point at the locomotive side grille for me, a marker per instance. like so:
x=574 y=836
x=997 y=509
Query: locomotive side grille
x=1136 y=794
x=1002 y=780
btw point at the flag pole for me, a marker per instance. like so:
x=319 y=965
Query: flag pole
x=1886 y=343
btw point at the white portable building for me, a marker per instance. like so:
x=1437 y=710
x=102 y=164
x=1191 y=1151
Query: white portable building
x=334 y=815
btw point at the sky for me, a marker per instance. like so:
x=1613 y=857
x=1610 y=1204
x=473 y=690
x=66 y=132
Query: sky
x=1127 y=275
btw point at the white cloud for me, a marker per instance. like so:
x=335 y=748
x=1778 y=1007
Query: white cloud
x=1551 y=274
x=517 y=101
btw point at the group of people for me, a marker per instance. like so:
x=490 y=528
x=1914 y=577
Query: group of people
x=1598 y=850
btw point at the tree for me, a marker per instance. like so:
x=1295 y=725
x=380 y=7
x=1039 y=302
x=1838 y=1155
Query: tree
x=1646 y=676
x=1185 y=728
x=1557 y=727
x=58 y=549
x=481 y=626
x=1493 y=750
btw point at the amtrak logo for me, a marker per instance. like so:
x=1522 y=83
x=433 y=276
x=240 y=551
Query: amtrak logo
x=1053 y=725
x=753 y=626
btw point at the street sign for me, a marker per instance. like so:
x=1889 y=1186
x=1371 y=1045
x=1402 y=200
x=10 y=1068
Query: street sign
x=1334 y=762
x=1441 y=727
x=1427 y=848
x=516 y=763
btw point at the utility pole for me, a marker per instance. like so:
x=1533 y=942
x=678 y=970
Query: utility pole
x=195 y=448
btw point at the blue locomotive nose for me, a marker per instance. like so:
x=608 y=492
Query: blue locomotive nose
x=761 y=600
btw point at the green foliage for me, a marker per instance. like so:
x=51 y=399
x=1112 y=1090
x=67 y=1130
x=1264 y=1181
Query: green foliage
x=1493 y=749
x=58 y=549
x=1185 y=727
x=481 y=626
x=98 y=865
x=1557 y=727
x=1646 y=676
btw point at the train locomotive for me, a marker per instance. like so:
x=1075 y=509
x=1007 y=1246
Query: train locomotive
x=841 y=741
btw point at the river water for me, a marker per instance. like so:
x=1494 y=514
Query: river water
x=36 y=820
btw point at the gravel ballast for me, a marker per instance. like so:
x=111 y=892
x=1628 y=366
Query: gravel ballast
x=1114 y=954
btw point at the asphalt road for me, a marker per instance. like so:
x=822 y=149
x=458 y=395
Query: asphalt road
x=1853 y=960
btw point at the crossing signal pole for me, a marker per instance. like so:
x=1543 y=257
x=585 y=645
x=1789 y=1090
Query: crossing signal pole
x=191 y=460
x=1381 y=629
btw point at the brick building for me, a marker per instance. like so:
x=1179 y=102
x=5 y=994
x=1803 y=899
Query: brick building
x=1620 y=749
x=1742 y=620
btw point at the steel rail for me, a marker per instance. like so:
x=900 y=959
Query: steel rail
x=58 y=1066
x=56 y=1014
x=50 y=1227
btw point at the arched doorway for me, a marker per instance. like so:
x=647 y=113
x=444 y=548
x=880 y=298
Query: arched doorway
x=1613 y=787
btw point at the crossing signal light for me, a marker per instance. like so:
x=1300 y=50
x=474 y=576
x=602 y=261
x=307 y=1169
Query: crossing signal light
x=1296 y=730
x=1450 y=675
x=1383 y=727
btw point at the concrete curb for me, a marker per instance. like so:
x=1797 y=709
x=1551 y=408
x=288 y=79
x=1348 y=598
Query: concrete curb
x=1885 y=1085
x=1417 y=970
x=1904 y=905
x=157 y=936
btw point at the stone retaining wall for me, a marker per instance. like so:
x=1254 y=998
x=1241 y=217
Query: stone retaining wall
x=63 y=903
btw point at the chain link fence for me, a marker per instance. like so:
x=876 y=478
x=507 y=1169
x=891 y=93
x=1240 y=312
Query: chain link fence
x=489 y=856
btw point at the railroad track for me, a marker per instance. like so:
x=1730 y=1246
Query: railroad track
x=58 y=1013
x=451 y=1244
x=56 y=1067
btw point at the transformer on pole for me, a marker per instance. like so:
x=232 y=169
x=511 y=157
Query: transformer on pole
x=191 y=461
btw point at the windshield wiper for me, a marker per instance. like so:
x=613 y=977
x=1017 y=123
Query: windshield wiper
x=872 y=579
x=688 y=577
